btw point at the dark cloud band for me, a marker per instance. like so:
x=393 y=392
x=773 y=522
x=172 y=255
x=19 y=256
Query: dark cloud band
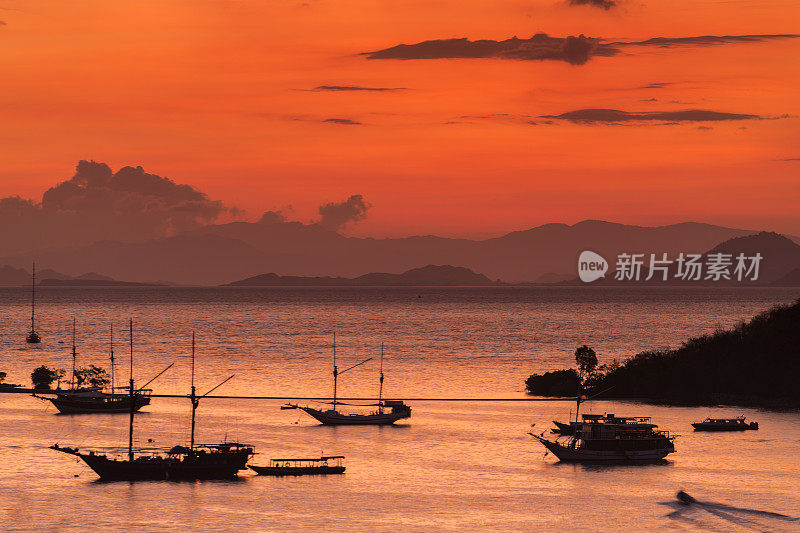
x=345 y=88
x=616 y=116
x=602 y=4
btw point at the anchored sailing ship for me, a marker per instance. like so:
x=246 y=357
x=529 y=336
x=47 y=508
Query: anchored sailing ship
x=84 y=400
x=33 y=337
x=387 y=411
x=196 y=461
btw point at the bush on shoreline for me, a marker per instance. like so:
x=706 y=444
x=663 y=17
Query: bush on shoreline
x=755 y=363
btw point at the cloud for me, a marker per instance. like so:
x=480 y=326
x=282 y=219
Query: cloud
x=99 y=204
x=345 y=121
x=705 y=40
x=272 y=217
x=343 y=88
x=658 y=85
x=602 y=4
x=336 y=215
x=575 y=50
x=615 y=116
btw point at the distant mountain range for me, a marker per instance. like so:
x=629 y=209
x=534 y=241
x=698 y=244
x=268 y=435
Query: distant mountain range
x=218 y=254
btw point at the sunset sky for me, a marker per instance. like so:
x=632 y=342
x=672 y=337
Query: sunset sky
x=230 y=97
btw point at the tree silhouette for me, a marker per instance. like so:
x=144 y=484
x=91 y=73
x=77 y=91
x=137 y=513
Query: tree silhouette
x=94 y=376
x=586 y=359
x=43 y=377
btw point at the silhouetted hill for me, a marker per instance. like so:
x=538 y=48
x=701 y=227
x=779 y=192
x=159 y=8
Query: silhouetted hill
x=79 y=282
x=431 y=275
x=780 y=254
x=756 y=363
x=18 y=277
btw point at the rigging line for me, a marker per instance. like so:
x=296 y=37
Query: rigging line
x=355 y=365
x=407 y=399
x=155 y=378
x=206 y=395
x=350 y=399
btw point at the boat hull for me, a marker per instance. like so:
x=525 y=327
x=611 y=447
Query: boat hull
x=77 y=405
x=164 y=469
x=581 y=455
x=335 y=418
x=699 y=426
x=296 y=470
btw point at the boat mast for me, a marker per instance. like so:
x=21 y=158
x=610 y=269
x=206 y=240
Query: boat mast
x=74 y=354
x=335 y=371
x=33 y=297
x=193 y=397
x=111 y=348
x=133 y=407
x=380 y=389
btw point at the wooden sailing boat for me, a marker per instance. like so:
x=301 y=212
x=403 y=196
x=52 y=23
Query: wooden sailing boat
x=85 y=400
x=397 y=409
x=33 y=337
x=197 y=461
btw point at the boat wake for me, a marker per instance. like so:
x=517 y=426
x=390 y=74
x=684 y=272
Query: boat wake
x=712 y=516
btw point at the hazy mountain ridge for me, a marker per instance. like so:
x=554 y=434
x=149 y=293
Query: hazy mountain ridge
x=221 y=253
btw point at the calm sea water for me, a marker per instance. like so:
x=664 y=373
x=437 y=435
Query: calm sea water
x=452 y=466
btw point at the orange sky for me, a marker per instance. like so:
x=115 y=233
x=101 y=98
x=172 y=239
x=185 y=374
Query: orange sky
x=216 y=94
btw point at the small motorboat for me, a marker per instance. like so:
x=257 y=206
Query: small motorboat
x=330 y=464
x=725 y=424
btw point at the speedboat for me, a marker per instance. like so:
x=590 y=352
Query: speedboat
x=724 y=424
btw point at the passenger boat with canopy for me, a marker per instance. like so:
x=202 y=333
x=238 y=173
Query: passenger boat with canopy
x=571 y=428
x=330 y=464
x=610 y=439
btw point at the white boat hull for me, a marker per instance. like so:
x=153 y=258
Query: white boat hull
x=569 y=454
